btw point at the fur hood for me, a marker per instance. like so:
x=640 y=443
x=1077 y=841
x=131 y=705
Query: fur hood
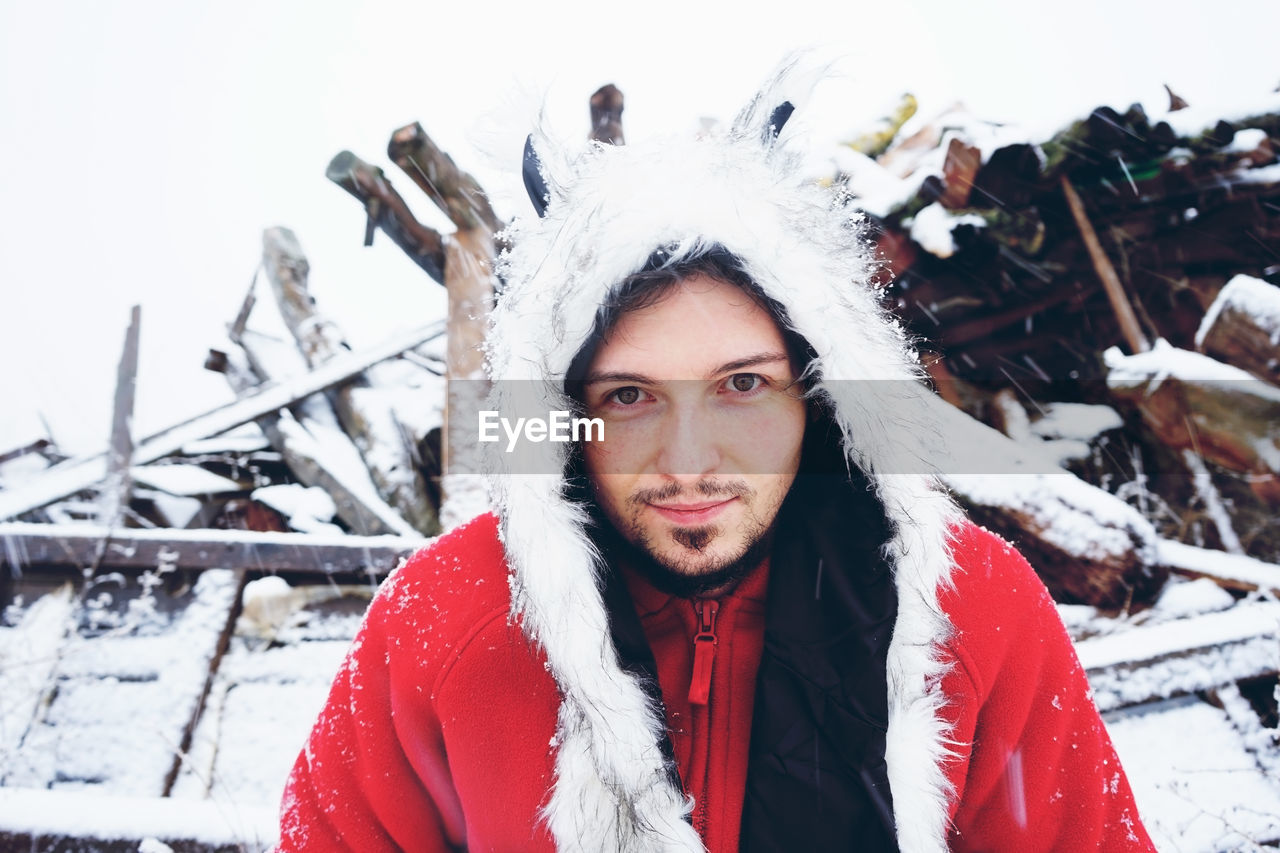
x=609 y=208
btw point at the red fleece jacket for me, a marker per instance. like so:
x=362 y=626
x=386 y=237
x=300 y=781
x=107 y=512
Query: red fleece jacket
x=438 y=733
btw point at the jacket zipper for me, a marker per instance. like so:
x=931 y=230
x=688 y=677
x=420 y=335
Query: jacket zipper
x=704 y=651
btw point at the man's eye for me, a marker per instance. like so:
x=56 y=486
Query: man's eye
x=628 y=396
x=745 y=382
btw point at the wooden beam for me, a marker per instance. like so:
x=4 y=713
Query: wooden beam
x=368 y=420
x=1181 y=656
x=1106 y=272
x=387 y=210
x=310 y=460
x=454 y=191
x=75 y=474
x=606 y=115
x=120 y=456
x=33 y=545
x=469 y=280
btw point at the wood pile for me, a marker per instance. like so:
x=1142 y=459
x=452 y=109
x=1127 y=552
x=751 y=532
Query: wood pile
x=1125 y=262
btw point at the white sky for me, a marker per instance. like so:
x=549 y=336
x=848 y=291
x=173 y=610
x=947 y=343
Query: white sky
x=145 y=145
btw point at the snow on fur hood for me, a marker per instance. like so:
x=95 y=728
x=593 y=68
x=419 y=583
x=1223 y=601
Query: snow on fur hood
x=609 y=209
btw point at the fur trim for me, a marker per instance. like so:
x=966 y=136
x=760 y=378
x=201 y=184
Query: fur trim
x=610 y=209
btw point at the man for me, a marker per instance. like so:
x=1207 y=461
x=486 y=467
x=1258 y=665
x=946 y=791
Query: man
x=741 y=619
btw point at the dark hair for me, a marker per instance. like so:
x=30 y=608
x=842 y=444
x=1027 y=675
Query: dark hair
x=658 y=277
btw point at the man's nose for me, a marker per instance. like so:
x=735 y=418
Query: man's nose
x=689 y=448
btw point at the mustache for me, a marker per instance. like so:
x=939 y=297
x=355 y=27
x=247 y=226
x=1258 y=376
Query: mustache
x=703 y=488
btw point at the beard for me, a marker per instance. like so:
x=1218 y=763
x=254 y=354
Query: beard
x=686 y=574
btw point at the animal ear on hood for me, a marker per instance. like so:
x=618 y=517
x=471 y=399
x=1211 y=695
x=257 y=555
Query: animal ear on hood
x=547 y=168
x=787 y=90
x=534 y=182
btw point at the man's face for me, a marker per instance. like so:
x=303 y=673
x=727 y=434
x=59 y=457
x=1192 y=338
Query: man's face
x=703 y=427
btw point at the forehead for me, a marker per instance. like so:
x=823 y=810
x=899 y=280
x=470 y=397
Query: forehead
x=698 y=324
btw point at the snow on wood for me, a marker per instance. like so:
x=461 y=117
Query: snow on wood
x=312 y=443
x=69 y=544
x=1087 y=544
x=230 y=443
x=1261 y=741
x=1075 y=421
x=307 y=509
x=1230 y=570
x=76 y=474
x=932 y=228
x=469 y=278
x=1242 y=327
x=28 y=657
x=79 y=820
x=183 y=480
x=1193 y=402
x=120 y=451
x=371 y=426
x=1128 y=667
x=125 y=697
x=1197 y=786
x=267 y=700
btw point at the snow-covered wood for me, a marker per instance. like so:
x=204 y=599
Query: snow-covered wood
x=129 y=681
x=469 y=278
x=1242 y=327
x=79 y=473
x=1193 y=402
x=1232 y=571
x=1197 y=785
x=368 y=419
x=1086 y=544
x=454 y=191
x=28 y=545
x=387 y=210
x=89 y=821
x=313 y=445
x=1157 y=661
x=28 y=658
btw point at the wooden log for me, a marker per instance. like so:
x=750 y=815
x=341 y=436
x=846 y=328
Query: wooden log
x=107 y=823
x=120 y=456
x=49 y=545
x=1242 y=327
x=388 y=211
x=40 y=445
x=958 y=171
x=368 y=421
x=355 y=497
x=29 y=659
x=1182 y=656
x=81 y=472
x=469 y=272
x=1235 y=572
x=1192 y=402
x=454 y=191
x=606 y=115
x=1106 y=272
x=1086 y=544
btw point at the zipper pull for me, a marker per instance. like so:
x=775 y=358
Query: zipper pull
x=704 y=651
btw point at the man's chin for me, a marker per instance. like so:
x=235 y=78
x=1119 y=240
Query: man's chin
x=689 y=572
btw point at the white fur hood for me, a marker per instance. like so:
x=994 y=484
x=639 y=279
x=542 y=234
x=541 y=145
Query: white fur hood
x=609 y=209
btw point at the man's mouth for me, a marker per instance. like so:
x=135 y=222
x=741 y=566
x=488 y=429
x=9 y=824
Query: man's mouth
x=700 y=512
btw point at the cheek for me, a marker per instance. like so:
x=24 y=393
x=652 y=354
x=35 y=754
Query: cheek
x=769 y=442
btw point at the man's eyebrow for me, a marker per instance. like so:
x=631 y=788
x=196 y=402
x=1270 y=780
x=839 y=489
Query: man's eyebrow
x=749 y=361
x=619 y=376
x=728 y=367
